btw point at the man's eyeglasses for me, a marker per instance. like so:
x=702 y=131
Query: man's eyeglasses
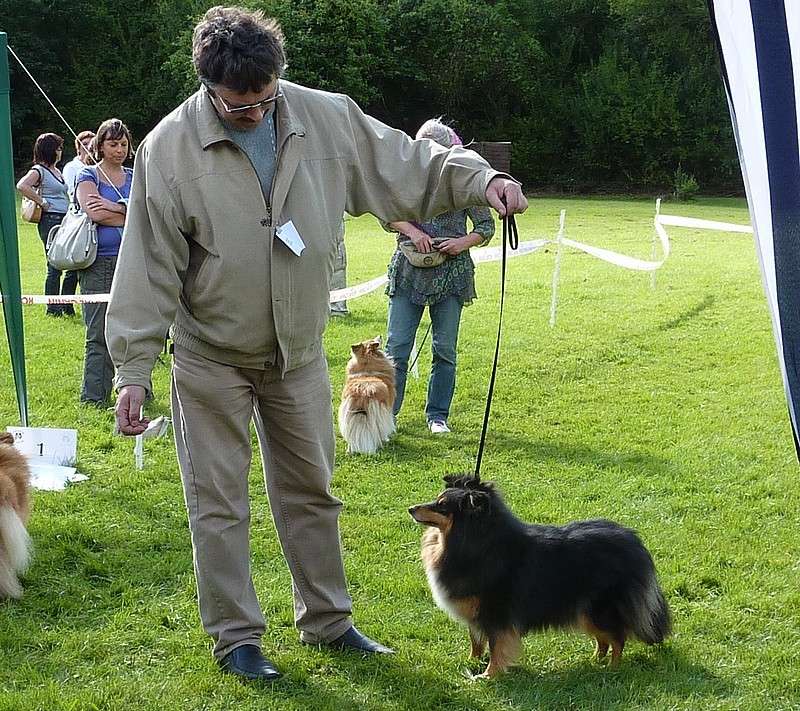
x=263 y=104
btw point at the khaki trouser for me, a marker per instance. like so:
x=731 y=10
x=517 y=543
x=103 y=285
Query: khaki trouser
x=212 y=406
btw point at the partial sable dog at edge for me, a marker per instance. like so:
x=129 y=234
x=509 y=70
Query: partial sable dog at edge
x=365 y=414
x=15 y=507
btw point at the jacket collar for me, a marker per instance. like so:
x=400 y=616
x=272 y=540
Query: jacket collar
x=211 y=129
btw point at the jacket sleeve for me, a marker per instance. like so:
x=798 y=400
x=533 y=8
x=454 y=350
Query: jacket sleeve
x=397 y=178
x=148 y=279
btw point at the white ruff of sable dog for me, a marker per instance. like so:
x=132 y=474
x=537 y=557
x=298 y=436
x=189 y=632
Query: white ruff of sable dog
x=15 y=503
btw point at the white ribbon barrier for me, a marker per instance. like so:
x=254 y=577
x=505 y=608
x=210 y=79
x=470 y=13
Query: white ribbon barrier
x=485 y=254
x=693 y=222
x=28 y=299
x=494 y=254
x=353 y=292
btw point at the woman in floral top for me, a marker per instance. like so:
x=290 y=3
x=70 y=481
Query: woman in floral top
x=445 y=289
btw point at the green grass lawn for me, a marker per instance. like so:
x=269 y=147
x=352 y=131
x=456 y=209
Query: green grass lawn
x=662 y=409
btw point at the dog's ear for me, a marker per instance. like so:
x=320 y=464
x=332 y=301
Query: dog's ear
x=6 y=438
x=454 y=481
x=357 y=348
x=476 y=502
x=463 y=481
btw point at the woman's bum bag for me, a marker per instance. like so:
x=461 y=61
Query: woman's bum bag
x=423 y=259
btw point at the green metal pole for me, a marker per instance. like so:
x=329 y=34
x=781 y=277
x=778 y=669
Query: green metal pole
x=10 y=287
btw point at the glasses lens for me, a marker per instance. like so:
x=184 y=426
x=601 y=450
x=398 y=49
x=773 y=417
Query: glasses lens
x=241 y=109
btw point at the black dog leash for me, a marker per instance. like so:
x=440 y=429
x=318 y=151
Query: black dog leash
x=510 y=238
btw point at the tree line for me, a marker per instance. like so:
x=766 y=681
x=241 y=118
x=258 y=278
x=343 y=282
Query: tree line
x=595 y=95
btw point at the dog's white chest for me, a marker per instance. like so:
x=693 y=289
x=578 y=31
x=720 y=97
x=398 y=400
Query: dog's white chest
x=442 y=600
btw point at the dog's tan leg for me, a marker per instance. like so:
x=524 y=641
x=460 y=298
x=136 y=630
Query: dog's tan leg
x=617 y=645
x=601 y=648
x=503 y=650
x=601 y=639
x=478 y=641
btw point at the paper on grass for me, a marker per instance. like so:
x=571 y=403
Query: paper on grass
x=53 y=477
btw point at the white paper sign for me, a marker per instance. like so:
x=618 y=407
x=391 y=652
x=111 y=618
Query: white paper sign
x=46 y=445
x=289 y=235
x=52 y=477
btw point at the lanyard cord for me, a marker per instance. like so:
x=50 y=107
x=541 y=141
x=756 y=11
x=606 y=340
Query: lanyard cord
x=510 y=238
x=60 y=115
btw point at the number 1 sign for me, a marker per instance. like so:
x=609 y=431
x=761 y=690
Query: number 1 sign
x=46 y=444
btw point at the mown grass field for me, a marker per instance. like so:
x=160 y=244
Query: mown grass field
x=661 y=408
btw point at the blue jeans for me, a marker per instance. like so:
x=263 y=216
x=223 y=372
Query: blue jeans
x=404 y=318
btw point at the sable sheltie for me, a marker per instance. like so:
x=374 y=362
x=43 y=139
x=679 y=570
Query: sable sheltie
x=15 y=544
x=365 y=415
x=504 y=578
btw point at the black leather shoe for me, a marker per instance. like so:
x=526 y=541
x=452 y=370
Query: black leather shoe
x=247 y=662
x=354 y=640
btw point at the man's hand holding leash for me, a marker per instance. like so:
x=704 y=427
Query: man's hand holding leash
x=506 y=196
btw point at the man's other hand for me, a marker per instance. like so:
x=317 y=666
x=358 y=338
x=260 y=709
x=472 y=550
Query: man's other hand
x=129 y=408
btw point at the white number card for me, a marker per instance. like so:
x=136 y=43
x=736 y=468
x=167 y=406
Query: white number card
x=46 y=445
x=289 y=235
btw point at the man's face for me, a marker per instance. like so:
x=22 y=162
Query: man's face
x=243 y=111
x=84 y=154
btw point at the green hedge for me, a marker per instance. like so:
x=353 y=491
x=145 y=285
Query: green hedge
x=594 y=94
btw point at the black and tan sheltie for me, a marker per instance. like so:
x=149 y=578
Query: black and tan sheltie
x=15 y=544
x=504 y=578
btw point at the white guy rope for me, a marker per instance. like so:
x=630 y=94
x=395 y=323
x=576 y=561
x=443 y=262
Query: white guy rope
x=61 y=116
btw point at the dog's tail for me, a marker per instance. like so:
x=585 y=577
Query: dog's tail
x=365 y=426
x=650 y=618
x=15 y=552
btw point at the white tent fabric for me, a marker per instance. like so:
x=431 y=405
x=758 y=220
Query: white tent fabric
x=759 y=48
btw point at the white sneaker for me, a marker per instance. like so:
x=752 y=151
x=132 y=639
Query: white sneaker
x=438 y=427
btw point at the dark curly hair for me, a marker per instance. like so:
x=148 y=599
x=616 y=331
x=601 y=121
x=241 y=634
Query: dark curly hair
x=238 y=48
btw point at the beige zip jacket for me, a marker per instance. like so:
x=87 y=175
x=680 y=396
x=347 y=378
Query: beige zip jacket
x=199 y=251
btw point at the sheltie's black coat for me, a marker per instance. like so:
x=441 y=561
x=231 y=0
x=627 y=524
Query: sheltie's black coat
x=504 y=577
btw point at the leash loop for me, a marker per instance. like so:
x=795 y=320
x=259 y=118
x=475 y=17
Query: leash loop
x=510 y=239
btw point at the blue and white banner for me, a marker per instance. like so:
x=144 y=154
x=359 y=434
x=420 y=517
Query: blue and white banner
x=759 y=48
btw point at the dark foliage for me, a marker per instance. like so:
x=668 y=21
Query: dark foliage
x=594 y=94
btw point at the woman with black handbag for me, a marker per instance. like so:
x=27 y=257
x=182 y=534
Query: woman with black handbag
x=45 y=185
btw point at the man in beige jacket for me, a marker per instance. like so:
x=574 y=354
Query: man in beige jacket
x=230 y=240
